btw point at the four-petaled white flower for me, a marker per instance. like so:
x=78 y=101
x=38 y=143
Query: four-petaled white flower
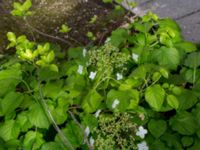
x=142 y=146
x=115 y=103
x=135 y=57
x=107 y=40
x=97 y=113
x=119 y=76
x=91 y=141
x=80 y=69
x=141 y=132
x=84 y=52
x=92 y=75
x=87 y=131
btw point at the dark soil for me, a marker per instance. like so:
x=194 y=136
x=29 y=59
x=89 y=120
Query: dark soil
x=78 y=19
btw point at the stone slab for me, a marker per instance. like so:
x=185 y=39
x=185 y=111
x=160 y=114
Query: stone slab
x=185 y=12
x=191 y=27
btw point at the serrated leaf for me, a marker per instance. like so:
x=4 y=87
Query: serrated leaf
x=184 y=123
x=126 y=99
x=187 y=99
x=9 y=130
x=154 y=95
x=92 y=101
x=74 y=133
x=118 y=37
x=172 y=101
x=33 y=140
x=188 y=47
x=192 y=60
x=168 y=57
x=157 y=127
x=10 y=102
x=23 y=121
x=37 y=116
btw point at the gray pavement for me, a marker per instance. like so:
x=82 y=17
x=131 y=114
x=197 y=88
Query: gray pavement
x=185 y=12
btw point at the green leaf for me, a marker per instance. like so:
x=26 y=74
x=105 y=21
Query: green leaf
x=13 y=72
x=10 y=102
x=172 y=101
x=33 y=140
x=168 y=22
x=158 y=145
x=37 y=116
x=168 y=57
x=186 y=99
x=184 y=123
x=53 y=67
x=13 y=144
x=107 y=1
x=156 y=76
x=65 y=29
x=164 y=73
x=187 y=141
x=74 y=134
x=118 y=37
x=59 y=114
x=196 y=145
x=91 y=102
x=26 y=5
x=75 y=53
x=23 y=121
x=52 y=89
x=196 y=113
x=192 y=60
x=172 y=140
x=157 y=127
x=51 y=146
x=9 y=130
x=89 y=120
x=126 y=99
x=188 y=47
x=154 y=95
x=139 y=73
x=50 y=57
x=11 y=37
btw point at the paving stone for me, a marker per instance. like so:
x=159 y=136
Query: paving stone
x=191 y=27
x=185 y=12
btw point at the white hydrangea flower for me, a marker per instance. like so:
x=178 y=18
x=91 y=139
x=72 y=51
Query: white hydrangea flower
x=119 y=76
x=92 y=75
x=80 y=69
x=97 y=113
x=142 y=146
x=115 y=103
x=141 y=132
x=135 y=57
x=91 y=141
x=87 y=131
x=84 y=52
x=107 y=40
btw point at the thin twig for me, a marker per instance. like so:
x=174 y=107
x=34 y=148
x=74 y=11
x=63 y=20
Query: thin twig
x=47 y=35
x=50 y=117
x=85 y=135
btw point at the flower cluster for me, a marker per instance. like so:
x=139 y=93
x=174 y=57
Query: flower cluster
x=108 y=58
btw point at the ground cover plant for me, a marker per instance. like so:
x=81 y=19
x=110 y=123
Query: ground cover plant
x=140 y=89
